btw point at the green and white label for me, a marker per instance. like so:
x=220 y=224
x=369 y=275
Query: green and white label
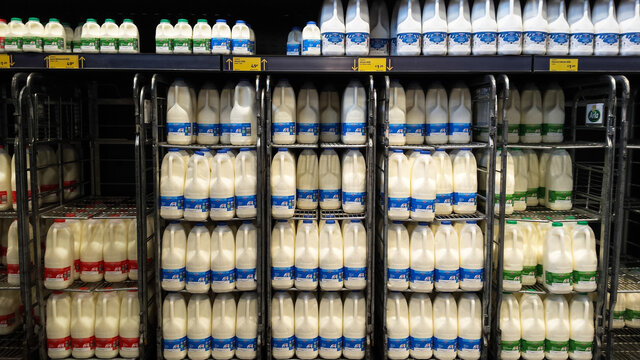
x=31 y=43
x=552 y=129
x=559 y=197
x=182 y=45
x=594 y=114
x=90 y=44
x=164 y=45
x=108 y=44
x=552 y=278
x=551 y=346
x=541 y=191
x=508 y=199
x=532 y=347
x=510 y=347
x=201 y=46
x=529 y=129
x=583 y=347
x=532 y=193
x=128 y=44
x=53 y=43
x=618 y=315
x=520 y=196
x=12 y=43
x=529 y=271
x=631 y=315
x=584 y=277
x=512 y=276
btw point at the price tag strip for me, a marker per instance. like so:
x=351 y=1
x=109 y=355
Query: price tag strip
x=563 y=64
x=64 y=62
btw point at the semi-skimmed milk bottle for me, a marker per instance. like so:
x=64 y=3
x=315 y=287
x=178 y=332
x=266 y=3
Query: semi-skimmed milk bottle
x=308 y=119
x=509 y=28
x=174 y=255
x=223 y=259
x=582 y=328
x=530 y=239
x=379 y=25
x=283 y=113
x=107 y=324
x=423 y=187
x=109 y=37
x=247 y=326
x=355 y=255
x=460 y=29
x=510 y=327
x=90 y=38
x=332 y=28
x=629 y=22
x=447 y=258
x=445 y=326
x=307 y=255
x=459 y=131
x=199 y=327
x=329 y=115
x=558 y=260
x=559 y=181
x=243 y=127
x=469 y=326
x=434 y=28
x=294 y=41
x=282 y=255
x=582 y=30
x=415 y=115
x=32 y=40
x=208 y=116
x=420 y=326
x=307 y=180
x=174 y=327
x=398 y=257
x=585 y=258
x=128 y=37
x=530 y=114
x=357 y=28
x=246 y=256
x=282 y=326
x=354 y=326
x=521 y=164
x=306 y=326
x=198 y=261
x=58 y=325
x=283 y=184
x=331 y=256
x=330 y=180
x=246 y=186
x=397 y=128
x=128 y=333
x=222 y=184
x=398 y=186
x=437 y=114
x=330 y=326
x=54 y=38
x=485 y=28
x=223 y=327
x=465 y=182
x=397 y=325
x=532 y=327
x=183 y=37
x=83 y=316
x=471 y=257
x=553 y=114
x=164 y=37
x=354 y=109
x=534 y=24
x=14 y=38
x=422 y=258
x=606 y=28
x=444 y=182
x=558 y=327
x=59 y=256
x=513 y=253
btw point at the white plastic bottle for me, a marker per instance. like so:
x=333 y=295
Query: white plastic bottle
x=128 y=37
x=164 y=37
x=222 y=186
x=307 y=256
x=393 y=30
x=582 y=328
x=447 y=255
x=223 y=327
x=294 y=41
x=208 y=116
x=465 y=182
x=308 y=117
x=115 y=249
x=485 y=28
x=128 y=334
x=54 y=38
x=354 y=326
x=202 y=37
x=415 y=114
x=357 y=28
x=180 y=112
x=533 y=327
x=533 y=169
x=107 y=324
x=469 y=326
x=282 y=326
x=242 y=119
x=331 y=257
x=90 y=38
x=618 y=311
x=32 y=40
x=58 y=256
x=513 y=257
x=283 y=184
x=396 y=132
x=585 y=258
x=558 y=325
x=509 y=28
x=183 y=37
x=445 y=326
x=434 y=28
x=58 y=325
x=422 y=258
x=330 y=326
x=398 y=186
x=459 y=27
x=246 y=253
x=629 y=22
x=199 y=327
x=221 y=38
x=6 y=195
x=332 y=28
x=437 y=114
x=311 y=40
x=329 y=115
x=534 y=24
x=174 y=255
x=284 y=114
x=423 y=187
x=109 y=36
x=355 y=255
x=530 y=238
x=510 y=327
x=521 y=167
x=223 y=259
x=607 y=31
x=379 y=25
x=553 y=114
x=174 y=327
x=398 y=257
x=226 y=105
x=354 y=109
x=530 y=114
x=77 y=38
x=559 y=30
x=559 y=181
x=409 y=28
x=196 y=188
x=444 y=182
x=397 y=326
x=282 y=255
x=247 y=326
x=4 y=31
x=558 y=260
x=13 y=40
x=91 y=248
x=83 y=317
x=172 y=180
x=582 y=30
x=513 y=116
x=246 y=187
x=306 y=326
x=420 y=326
x=353 y=182
x=330 y=180
x=471 y=257
x=632 y=311
x=198 y=259
x=307 y=180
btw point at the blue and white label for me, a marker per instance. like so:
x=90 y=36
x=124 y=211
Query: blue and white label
x=445 y=198
x=397 y=129
x=225 y=128
x=353 y=198
x=558 y=39
x=354 y=344
x=471 y=275
x=582 y=39
x=293 y=49
x=208 y=129
x=398 y=275
x=223 y=277
x=221 y=204
x=459 y=128
x=199 y=345
x=485 y=39
x=408 y=39
x=434 y=40
x=282 y=273
x=447 y=276
x=198 y=277
x=331 y=275
x=329 y=195
x=459 y=43
x=420 y=343
x=173 y=275
x=225 y=345
x=467 y=345
x=398 y=344
x=535 y=37
x=331 y=344
x=196 y=205
x=448 y=345
x=220 y=45
x=283 y=128
x=179 y=129
x=357 y=40
x=437 y=129
x=420 y=277
x=308 y=129
x=240 y=46
x=355 y=273
x=607 y=38
x=245 y=202
x=171 y=203
x=283 y=202
x=246 y=275
x=464 y=198
x=398 y=203
x=460 y=38
x=307 y=345
x=509 y=38
x=310 y=46
x=308 y=195
x=630 y=39
x=353 y=129
x=423 y=206
x=240 y=129
x=306 y=275
x=329 y=128
x=378 y=45
x=250 y=344
x=415 y=129
x=332 y=38
x=174 y=345
x=283 y=343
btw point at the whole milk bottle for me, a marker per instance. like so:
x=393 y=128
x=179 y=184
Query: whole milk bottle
x=605 y=26
x=332 y=28
x=223 y=327
x=445 y=326
x=469 y=326
x=246 y=253
x=282 y=326
x=306 y=326
x=174 y=327
x=307 y=255
x=398 y=256
x=172 y=179
x=459 y=131
x=283 y=184
x=397 y=325
x=247 y=326
x=196 y=188
x=582 y=30
x=208 y=117
x=447 y=264
x=534 y=24
x=198 y=261
x=422 y=258
x=174 y=255
x=423 y=187
x=354 y=326
x=420 y=326
x=444 y=182
x=465 y=182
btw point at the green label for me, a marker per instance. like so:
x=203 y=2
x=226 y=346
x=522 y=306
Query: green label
x=584 y=277
x=508 y=200
x=539 y=270
x=631 y=314
x=520 y=196
x=510 y=346
x=90 y=44
x=619 y=315
x=12 y=43
x=541 y=191
x=530 y=346
x=559 y=196
x=130 y=44
x=529 y=271
x=108 y=44
x=32 y=42
x=528 y=129
x=552 y=129
x=551 y=346
x=164 y=44
x=182 y=44
x=76 y=44
x=532 y=193
x=512 y=275
x=580 y=346
x=557 y=278
x=53 y=43
x=594 y=115
x=201 y=45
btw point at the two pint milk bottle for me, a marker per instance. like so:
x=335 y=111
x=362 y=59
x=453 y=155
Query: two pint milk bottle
x=282 y=326
x=294 y=41
x=398 y=257
x=283 y=184
x=306 y=326
x=246 y=256
x=445 y=326
x=397 y=325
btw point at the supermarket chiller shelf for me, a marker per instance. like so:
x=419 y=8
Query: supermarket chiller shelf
x=589 y=64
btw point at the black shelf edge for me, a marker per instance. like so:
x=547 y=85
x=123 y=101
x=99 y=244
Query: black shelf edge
x=590 y=64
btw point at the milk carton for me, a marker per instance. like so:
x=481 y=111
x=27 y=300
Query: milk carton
x=107 y=324
x=535 y=28
x=58 y=325
x=559 y=181
x=559 y=30
x=59 y=256
x=357 y=28
x=513 y=253
x=330 y=180
x=398 y=257
x=444 y=182
x=198 y=259
x=471 y=257
x=332 y=28
x=530 y=251
x=422 y=258
x=510 y=327
x=164 y=37
x=283 y=184
x=54 y=37
x=311 y=40
x=83 y=316
x=306 y=326
x=115 y=250
x=459 y=114
x=557 y=323
x=294 y=41
x=423 y=187
x=109 y=36
x=128 y=334
x=396 y=132
x=469 y=326
x=409 y=28
x=582 y=327
x=180 y=114
x=379 y=25
x=247 y=326
x=355 y=255
x=558 y=260
x=222 y=184
x=284 y=114
x=434 y=28
x=208 y=116
x=172 y=179
x=196 y=188
x=509 y=28
x=32 y=39
x=531 y=114
x=397 y=326
x=128 y=37
x=585 y=259
x=174 y=255
x=14 y=39
x=437 y=114
x=447 y=258
x=398 y=186
x=174 y=327
x=553 y=114
x=628 y=20
x=465 y=182
x=282 y=255
x=329 y=115
x=90 y=38
x=485 y=27
x=354 y=108
x=242 y=119
x=582 y=30
x=420 y=326
x=223 y=259
x=223 y=326
x=307 y=180
x=445 y=326
x=308 y=120
x=246 y=253
x=307 y=256
x=282 y=326
x=607 y=31
x=331 y=257
x=532 y=327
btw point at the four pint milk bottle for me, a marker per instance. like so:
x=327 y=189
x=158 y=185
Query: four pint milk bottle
x=83 y=316
x=485 y=27
x=107 y=324
x=91 y=248
x=469 y=326
x=331 y=256
x=283 y=109
x=282 y=326
x=332 y=28
x=445 y=326
x=174 y=327
x=459 y=114
x=509 y=28
x=330 y=323
x=398 y=186
x=306 y=256
x=513 y=253
x=180 y=114
x=115 y=250
x=329 y=115
x=437 y=114
x=243 y=119
x=420 y=326
x=558 y=327
x=447 y=263
x=471 y=257
x=172 y=178
x=521 y=176
x=208 y=117
x=174 y=255
x=198 y=259
x=459 y=27
x=226 y=105
x=409 y=28
x=379 y=25
x=330 y=180
x=58 y=325
x=247 y=326
x=582 y=30
x=223 y=259
x=553 y=114
x=559 y=181
x=129 y=334
x=199 y=327
x=283 y=184
x=59 y=256
x=629 y=22
x=357 y=28
x=530 y=114
x=306 y=326
x=223 y=327
x=585 y=258
x=535 y=28
x=396 y=132
x=444 y=182
x=510 y=327
x=398 y=256
x=533 y=327
x=246 y=256
x=607 y=31
x=415 y=118
x=196 y=188
x=308 y=120
x=307 y=180
x=558 y=260
x=422 y=258
x=354 y=326
x=354 y=110
x=246 y=183
x=423 y=187
x=282 y=255
x=434 y=28
x=465 y=182
x=397 y=325
x=355 y=255
x=533 y=177
x=222 y=185
x=582 y=328
x=530 y=251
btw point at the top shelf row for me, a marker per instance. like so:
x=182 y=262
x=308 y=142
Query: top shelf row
x=342 y=64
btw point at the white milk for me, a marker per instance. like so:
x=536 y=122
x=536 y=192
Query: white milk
x=354 y=326
x=221 y=186
x=164 y=37
x=107 y=324
x=437 y=114
x=521 y=167
x=465 y=182
x=77 y=38
x=559 y=181
x=533 y=170
x=420 y=326
x=83 y=317
x=434 y=28
x=582 y=328
x=396 y=132
x=398 y=257
x=355 y=255
x=329 y=115
x=553 y=114
x=513 y=116
x=283 y=184
x=306 y=326
x=331 y=257
x=128 y=39
x=282 y=255
x=13 y=255
x=90 y=38
x=129 y=335
x=354 y=108
x=246 y=187
x=354 y=182
x=629 y=22
x=208 y=116
x=557 y=322
x=485 y=27
x=423 y=187
x=332 y=27
x=13 y=181
x=543 y=169
x=330 y=180
x=246 y=253
x=174 y=327
x=196 y=188
x=223 y=326
x=409 y=29
x=398 y=186
x=226 y=105
x=14 y=38
x=282 y=326
x=59 y=256
x=330 y=320
x=530 y=114
x=459 y=114
x=632 y=311
x=307 y=180
x=618 y=311
x=558 y=260
x=471 y=257
x=534 y=24
x=469 y=326
x=115 y=250
x=10 y=305
x=221 y=38
x=294 y=41
x=4 y=31
x=6 y=195
x=444 y=182
x=172 y=178
x=32 y=40
x=422 y=258
x=198 y=259
x=283 y=109
x=183 y=37
x=58 y=325
x=179 y=114
x=513 y=257
x=109 y=36
x=357 y=28
x=415 y=114
x=543 y=228
x=530 y=239
x=509 y=27
x=242 y=119
x=54 y=37
x=445 y=326
x=447 y=264
x=533 y=327
x=559 y=31
x=393 y=30
x=91 y=248
x=247 y=326
x=582 y=30
x=307 y=256
x=311 y=40
x=510 y=183
x=459 y=27
x=223 y=259
x=379 y=25
x=510 y=327
x=585 y=258
x=308 y=120
x=202 y=37
x=607 y=31
x=174 y=255
x=397 y=326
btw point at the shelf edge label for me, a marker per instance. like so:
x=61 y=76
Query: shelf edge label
x=64 y=62
x=373 y=65
x=6 y=61
x=246 y=64
x=563 y=64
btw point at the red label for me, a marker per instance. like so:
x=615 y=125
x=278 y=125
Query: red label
x=66 y=185
x=59 y=345
x=7 y=320
x=3 y=197
x=91 y=267
x=13 y=269
x=48 y=187
x=3 y=251
x=107 y=343
x=83 y=343
x=57 y=274
x=117 y=267
x=133 y=265
x=129 y=343
x=76 y=265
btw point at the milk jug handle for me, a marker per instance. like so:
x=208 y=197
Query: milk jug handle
x=54 y=308
x=171 y=308
x=281 y=308
x=398 y=237
x=397 y=308
x=586 y=311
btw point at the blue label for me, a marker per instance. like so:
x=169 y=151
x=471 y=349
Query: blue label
x=201 y=205
x=459 y=128
x=633 y=37
x=293 y=49
x=282 y=273
x=608 y=38
x=435 y=37
x=331 y=274
x=471 y=274
x=329 y=128
x=310 y=195
x=198 y=277
x=445 y=344
x=283 y=343
x=224 y=344
x=444 y=198
x=200 y=345
x=358 y=38
x=398 y=344
x=283 y=128
x=242 y=129
x=221 y=204
x=246 y=275
x=559 y=38
x=307 y=344
x=510 y=37
x=332 y=344
x=172 y=202
x=282 y=201
x=225 y=128
x=223 y=43
x=309 y=44
x=397 y=129
x=353 y=128
x=420 y=343
x=175 y=344
x=538 y=37
x=226 y=277
x=355 y=273
x=583 y=38
x=246 y=202
x=468 y=344
x=354 y=344
x=398 y=274
x=246 y=344
x=421 y=277
x=464 y=198
x=306 y=275
x=409 y=39
x=353 y=198
x=399 y=203
x=420 y=205
x=239 y=44
x=486 y=37
x=378 y=44
x=447 y=275
x=308 y=129
x=334 y=38
x=174 y=275
x=460 y=38
x=179 y=129
x=208 y=129
x=415 y=129
x=328 y=195
x=437 y=129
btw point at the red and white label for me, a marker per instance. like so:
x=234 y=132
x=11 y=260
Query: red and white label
x=107 y=343
x=133 y=265
x=129 y=344
x=76 y=265
x=57 y=274
x=13 y=271
x=83 y=344
x=116 y=267
x=91 y=268
x=48 y=187
x=67 y=185
x=7 y=320
x=59 y=345
x=3 y=197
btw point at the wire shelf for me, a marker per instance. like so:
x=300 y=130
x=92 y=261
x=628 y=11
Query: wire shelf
x=542 y=214
x=317 y=289
x=300 y=214
x=626 y=343
x=629 y=281
x=210 y=147
x=209 y=221
x=94 y=208
x=433 y=147
x=537 y=288
x=563 y=145
x=477 y=216
x=340 y=215
x=101 y=286
x=434 y=291
x=8 y=214
x=295 y=146
x=335 y=145
x=4 y=284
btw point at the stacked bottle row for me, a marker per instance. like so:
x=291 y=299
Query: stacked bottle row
x=211 y=117
x=443 y=329
x=334 y=329
x=422 y=185
x=561 y=256
x=627 y=311
x=221 y=258
x=435 y=117
x=193 y=327
x=318 y=117
x=11 y=311
x=85 y=324
x=218 y=39
x=553 y=329
x=330 y=255
x=328 y=182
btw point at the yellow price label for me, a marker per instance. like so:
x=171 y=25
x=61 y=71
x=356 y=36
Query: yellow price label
x=372 y=64
x=563 y=64
x=247 y=63
x=64 y=61
x=6 y=61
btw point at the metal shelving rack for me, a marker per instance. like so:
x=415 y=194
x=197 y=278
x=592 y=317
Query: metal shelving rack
x=484 y=102
x=593 y=163
x=319 y=214
x=159 y=146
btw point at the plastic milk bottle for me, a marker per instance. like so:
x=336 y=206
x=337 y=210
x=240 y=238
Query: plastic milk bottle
x=485 y=28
